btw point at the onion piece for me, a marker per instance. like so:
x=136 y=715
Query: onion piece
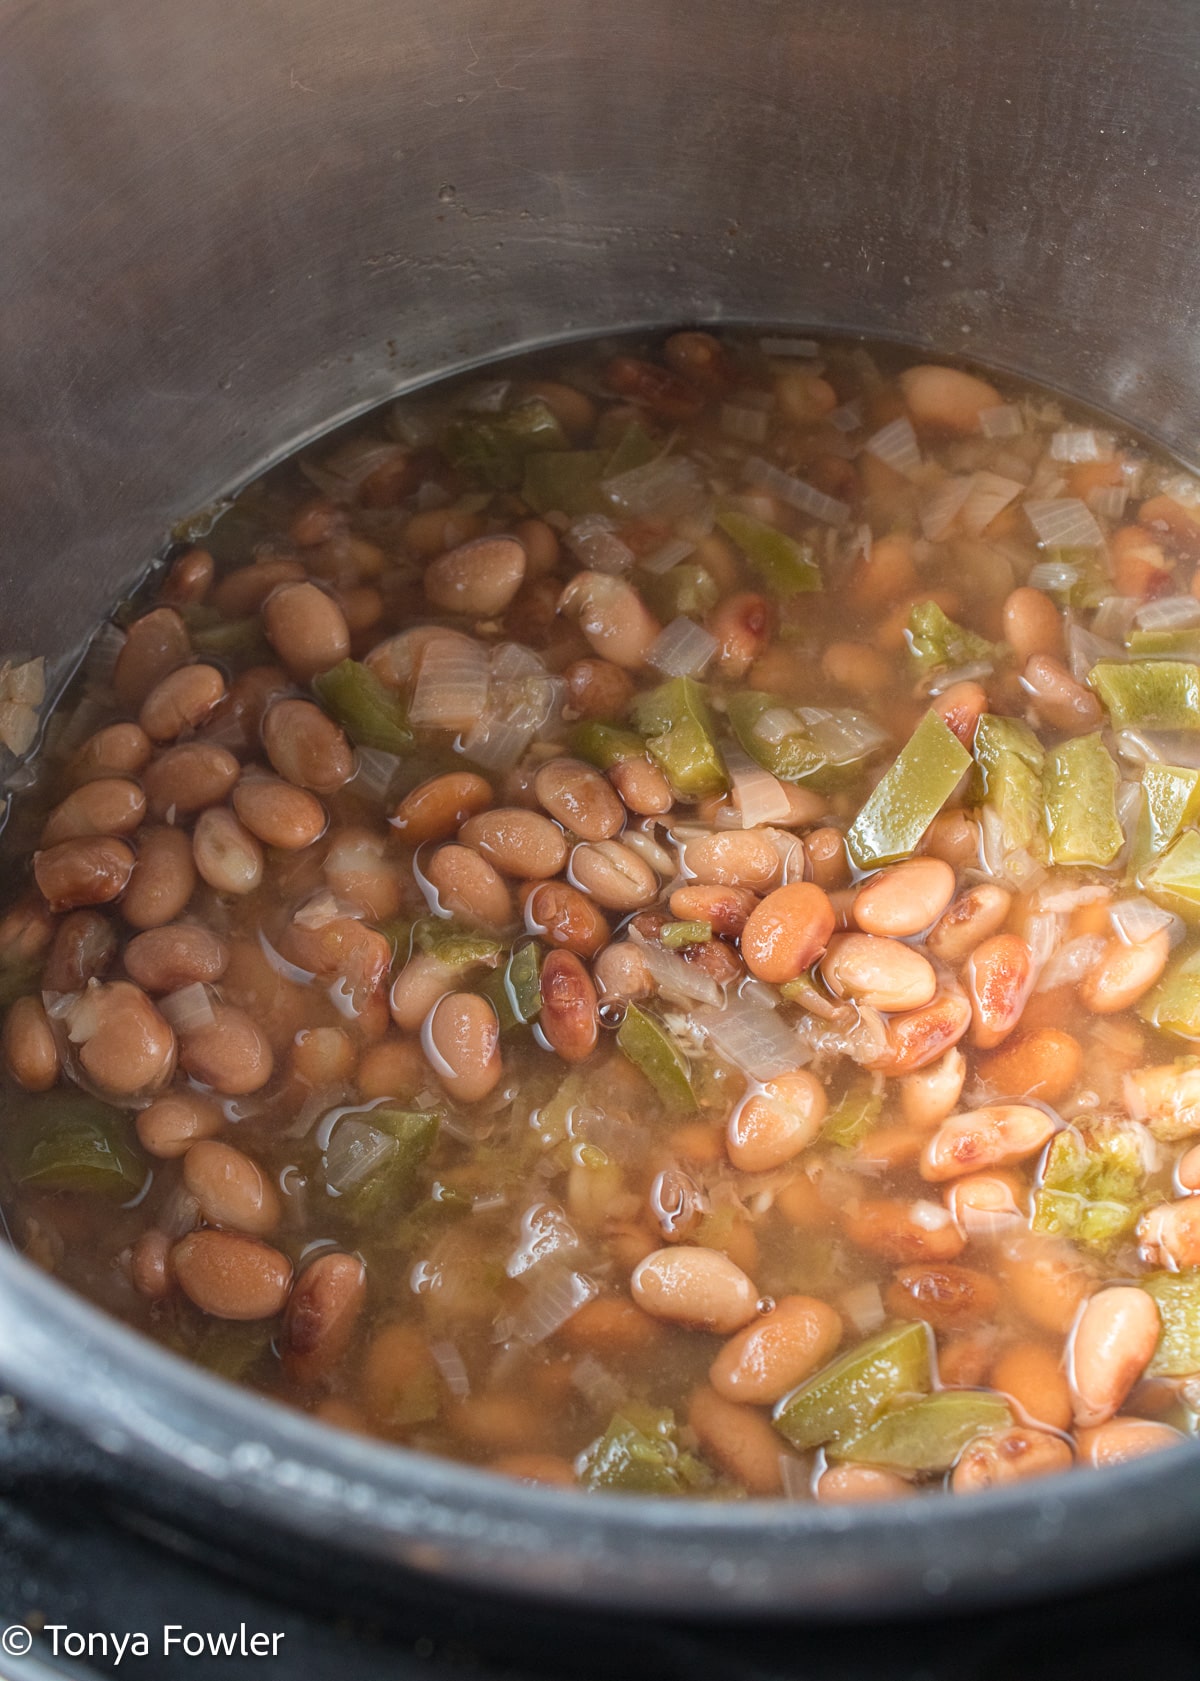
x=683 y=649
x=451 y=690
x=354 y=1150
x=776 y=724
x=847 y=417
x=1138 y=919
x=798 y=494
x=896 y=446
x=1113 y=618
x=449 y=1363
x=1085 y=649
x=376 y=772
x=597 y=1384
x=1108 y=500
x=668 y=488
x=188 y=1009
x=678 y=979
x=1064 y=523
x=862 y=1305
x=754 y=1039
x=1055 y=577
x=946 y=679
x=554 y=1297
x=1150 y=747
x=1004 y=420
x=322 y=908
x=758 y=796
x=1082 y=444
x=594 y=542
x=989 y=494
x=1169 y=612
x=674 y=550
x=941 y=507
x=806 y=348
x=745 y=421
x=796 y=1478
x=1071 y=962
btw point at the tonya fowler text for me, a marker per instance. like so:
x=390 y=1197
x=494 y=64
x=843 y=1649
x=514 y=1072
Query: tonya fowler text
x=173 y=1640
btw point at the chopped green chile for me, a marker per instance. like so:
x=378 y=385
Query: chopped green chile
x=515 y=990
x=935 y=640
x=378 y=1169
x=825 y=750
x=792 y=756
x=639 y=1454
x=785 y=566
x=687 y=590
x=909 y=796
x=67 y=1141
x=229 y=1348
x=853 y=1116
x=634 y=448
x=1010 y=761
x=1170 y=802
x=606 y=745
x=928 y=1435
x=492 y=449
x=1149 y=694
x=678 y=727
x=1177 y=1295
x=1092 y=1183
x=371 y=714
x=677 y=934
x=1173 y=881
x=1080 y=783
x=1173 y=1006
x=846 y=1398
x=654 y=1053
x=220 y=638
x=564 y=482
x=455 y=946
x=1165 y=645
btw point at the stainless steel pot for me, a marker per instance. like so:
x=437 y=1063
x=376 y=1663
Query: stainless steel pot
x=224 y=227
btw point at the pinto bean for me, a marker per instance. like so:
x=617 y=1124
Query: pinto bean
x=106 y=806
x=787 y=932
x=643 y=788
x=278 y=813
x=973 y=917
x=568 y=1015
x=883 y=974
x=230 y=1188
x=1032 y=625
x=518 y=842
x=565 y=917
x=1009 y=1456
x=948 y=1297
x=1045 y=1063
x=905 y=899
x=462 y=1040
x=1124 y=973
x=1169 y=1234
x=826 y=860
x=466 y=885
x=701 y=1289
x=1122 y=1439
x=919 y=1037
x=124 y=1045
x=614 y=875
x=1110 y=1348
x=771 y=1126
x=116 y=750
x=941 y=399
x=306 y=747
x=726 y=909
x=437 y=809
x=1061 y=702
x=182 y=954
x=1031 y=1372
x=84 y=948
x=230 y=1276
x=93 y=870
x=358 y=870
x=322 y=1313
x=620 y=971
x=227 y=856
x=779 y=1350
x=181 y=701
x=848 y=1485
x=155 y=644
x=479 y=578
x=985 y=1204
x=150 y=1266
x=28 y=1045
x=1047 y=1280
x=998 y=1135
x=188 y=778
x=739 y=1440
x=741 y=625
x=954 y=837
x=169 y=1126
x=612 y=616
x=230 y=1053
x=734 y=858
x=162 y=879
x=932 y=1093
x=306 y=628
x=960 y=707
x=999 y=979
x=901 y=1231
x=598 y=689
x=189 y=580
x=580 y=799
x=242 y=592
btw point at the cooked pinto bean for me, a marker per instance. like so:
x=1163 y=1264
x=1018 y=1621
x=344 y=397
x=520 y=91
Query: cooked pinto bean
x=698 y=1288
x=156 y=643
x=995 y=1136
x=188 y=778
x=614 y=875
x=306 y=628
x=231 y=1276
x=162 y=878
x=787 y=932
x=520 y=843
x=1061 y=702
x=29 y=1047
x=170 y=1125
x=1111 y=1345
x=885 y=974
x=566 y=917
x=230 y=1189
x=568 y=1016
x=279 y=814
x=904 y=899
x=771 y=1126
x=763 y=1362
x=116 y=750
x=973 y=916
x=306 y=747
x=230 y=1054
x=181 y=701
x=84 y=949
x=1124 y=973
x=1009 y=1456
x=105 y=806
x=322 y=1314
x=947 y=1297
x=466 y=885
x=89 y=871
x=734 y=858
x=580 y=799
x=124 y=1045
x=462 y=1040
x=182 y=954
x=479 y=578
x=437 y=809
x=999 y=976
x=642 y=786
x=920 y=1037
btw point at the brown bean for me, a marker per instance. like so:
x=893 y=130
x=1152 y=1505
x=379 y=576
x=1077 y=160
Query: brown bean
x=28 y=1045
x=188 y=778
x=306 y=747
x=479 y=578
x=999 y=978
x=900 y=1231
x=227 y=856
x=725 y=909
x=230 y=1053
x=848 y=1485
x=438 y=808
x=580 y=799
x=612 y=616
x=598 y=689
x=306 y=628
x=322 y=1056
x=84 y=948
x=954 y=837
x=462 y=1040
x=116 y=750
x=738 y=1439
x=322 y=1314
x=181 y=701
x=278 y=813
x=435 y=530
x=150 y=1266
x=162 y=880
x=1110 y=1348
x=93 y=870
x=230 y=1188
x=1169 y=1233
x=565 y=917
x=106 y=806
x=905 y=899
x=467 y=886
x=422 y=981
x=787 y=932
x=1124 y=973
x=941 y=399
x=771 y=1126
x=518 y=842
x=1123 y=1439
x=1009 y=1456
x=932 y=1093
x=230 y=1276
x=357 y=870
x=238 y=719
x=189 y=580
x=882 y=974
x=919 y=1037
x=779 y=1350
x=1061 y=702
x=181 y=954
x=698 y=1288
x=1031 y=1373
x=1047 y=1279
x=614 y=875
x=973 y=917
x=1032 y=625
x=124 y=1045
x=742 y=625
x=169 y=1126
x=243 y=591
x=947 y=1297
x=998 y=1135
x=826 y=860
x=568 y=1015
x=155 y=645
x=1045 y=1063
x=734 y=858
x=643 y=788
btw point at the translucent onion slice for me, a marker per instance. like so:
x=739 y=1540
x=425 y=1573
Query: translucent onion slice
x=674 y=550
x=354 y=1151
x=680 y=980
x=376 y=773
x=942 y=506
x=1169 y=612
x=1064 y=523
x=597 y=1384
x=1003 y=421
x=451 y=690
x=449 y=1363
x=989 y=495
x=847 y=417
x=758 y=796
x=188 y=1009
x=1085 y=649
x=683 y=649
x=753 y=1038
x=896 y=446
x=1081 y=444
x=1071 y=962
x=554 y=1297
x=1108 y=500
x=1138 y=919
x=745 y=422
x=797 y=493
x=863 y=1307
x=594 y=542
x=668 y=488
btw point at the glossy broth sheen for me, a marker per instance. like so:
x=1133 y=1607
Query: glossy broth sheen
x=629 y=921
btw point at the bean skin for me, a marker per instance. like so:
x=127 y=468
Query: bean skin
x=227 y=856
x=1061 y=702
x=518 y=842
x=169 y=1126
x=306 y=747
x=998 y=1135
x=162 y=880
x=700 y=1289
x=230 y=1276
x=579 y=798
x=467 y=886
x=762 y=1363
x=279 y=814
x=306 y=628
x=437 y=809
x=124 y=1045
x=84 y=949
x=999 y=977
x=230 y=1054
x=972 y=918
x=738 y=1439
x=105 y=806
x=787 y=932
x=155 y=644
x=905 y=899
x=94 y=870
x=29 y=1047
x=1009 y=1456
x=165 y=959
x=614 y=875
x=1110 y=1348
x=1124 y=973
x=769 y=1127
x=948 y=1297
x=187 y=778
x=598 y=689
x=232 y=1190
x=462 y=1040
x=884 y=974
x=568 y=1014
x=181 y=701
x=479 y=578
x=1122 y=1439
x=116 y=750
x=322 y=1313
x=1045 y=1063
x=565 y=917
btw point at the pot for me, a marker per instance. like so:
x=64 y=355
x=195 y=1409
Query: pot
x=227 y=227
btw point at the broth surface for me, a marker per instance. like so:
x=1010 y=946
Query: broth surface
x=630 y=920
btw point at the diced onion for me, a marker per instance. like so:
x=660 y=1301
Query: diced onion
x=1155 y=747
x=798 y=494
x=1138 y=919
x=844 y=735
x=354 y=1151
x=758 y=796
x=754 y=1039
x=376 y=772
x=1080 y=445
x=1108 y=500
x=683 y=649
x=512 y=660
x=1063 y=897
x=858 y=1032
x=847 y=417
x=451 y=690
x=597 y=1384
x=58 y=1005
x=896 y=446
x=863 y=1307
x=1114 y=618
x=683 y=981
x=989 y=494
x=775 y=725
x=744 y=422
x=449 y=1363
x=1169 y=612
x=795 y=1477
x=1071 y=962
x=321 y=909
x=341 y=473
x=1064 y=523
x=553 y=1299
x=668 y=488
x=1054 y=576
x=188 y=1009
x=806 y=348
x=674 y=550
x=942 y=506
x=594 y=543
x=1084 y=650
x=970 y=673
x=1002 y=421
